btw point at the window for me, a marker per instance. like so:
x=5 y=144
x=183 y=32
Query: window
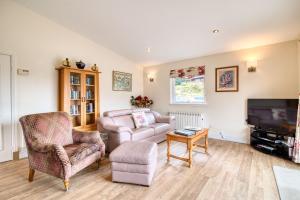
x=187 y=90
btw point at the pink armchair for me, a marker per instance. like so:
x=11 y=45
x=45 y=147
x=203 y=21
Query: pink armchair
x=57 y=149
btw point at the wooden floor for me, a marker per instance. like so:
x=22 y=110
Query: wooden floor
x=229 y=171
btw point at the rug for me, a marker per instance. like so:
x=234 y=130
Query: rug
x=288 y=182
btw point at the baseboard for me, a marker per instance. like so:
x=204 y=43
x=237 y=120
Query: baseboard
x=231 y=139
x=23 y=153
x=16 y=155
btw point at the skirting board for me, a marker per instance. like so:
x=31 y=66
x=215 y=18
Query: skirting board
x=231 y=139
x=23 y=153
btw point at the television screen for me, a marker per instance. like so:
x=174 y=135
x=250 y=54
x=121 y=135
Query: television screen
x=279 y=115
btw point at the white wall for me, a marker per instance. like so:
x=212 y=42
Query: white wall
x=276 y=77
x=39 y=45
x=299 y=63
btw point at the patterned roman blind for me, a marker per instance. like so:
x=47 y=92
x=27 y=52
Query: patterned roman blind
x=188 y=72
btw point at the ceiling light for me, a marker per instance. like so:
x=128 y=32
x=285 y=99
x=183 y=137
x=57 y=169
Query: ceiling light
x=216 y=31
x=148 y=49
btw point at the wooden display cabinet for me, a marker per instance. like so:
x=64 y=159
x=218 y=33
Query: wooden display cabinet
x=79 y=96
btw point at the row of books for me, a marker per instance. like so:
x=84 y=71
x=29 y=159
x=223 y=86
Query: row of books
x=75 y=94
x=90 y=81
x=74 y=79
x=89 y=107
x=89 y=94
x=74 y=110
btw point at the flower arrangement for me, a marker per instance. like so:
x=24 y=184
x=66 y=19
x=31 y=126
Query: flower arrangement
x=141 y=102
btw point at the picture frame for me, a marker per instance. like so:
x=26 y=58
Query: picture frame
x=227 y=79
x=121 y=81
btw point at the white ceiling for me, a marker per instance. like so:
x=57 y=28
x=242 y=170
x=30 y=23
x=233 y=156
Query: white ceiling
x=175 y=29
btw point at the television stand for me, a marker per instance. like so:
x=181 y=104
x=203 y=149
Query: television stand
x=272 y=143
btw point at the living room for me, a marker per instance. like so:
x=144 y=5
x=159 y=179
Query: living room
x=151 y=44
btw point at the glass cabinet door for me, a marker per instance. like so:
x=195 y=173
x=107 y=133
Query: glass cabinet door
x=90 y=99
x=75 y=98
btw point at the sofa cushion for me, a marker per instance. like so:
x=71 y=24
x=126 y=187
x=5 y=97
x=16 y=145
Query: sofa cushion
x=140 y=119
x=125 y=120
x=150 y=117
x=142 y=133
x=135 y=152
x=160 y=127
x=77 y=152
x=116 y=113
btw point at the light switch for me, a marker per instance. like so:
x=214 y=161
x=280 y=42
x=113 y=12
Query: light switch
x=23 y=72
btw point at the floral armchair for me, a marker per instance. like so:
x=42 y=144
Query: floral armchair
x=57 y=149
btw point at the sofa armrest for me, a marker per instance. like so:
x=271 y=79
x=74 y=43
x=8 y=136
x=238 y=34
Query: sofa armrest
x=165 y=119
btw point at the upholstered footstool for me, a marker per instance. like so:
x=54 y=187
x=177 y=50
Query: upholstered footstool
x=134 y=162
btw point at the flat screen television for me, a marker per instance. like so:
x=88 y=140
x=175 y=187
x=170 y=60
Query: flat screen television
x=276 y=115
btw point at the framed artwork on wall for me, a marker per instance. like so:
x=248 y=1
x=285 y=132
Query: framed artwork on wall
x=227 y=79
x=121 y=81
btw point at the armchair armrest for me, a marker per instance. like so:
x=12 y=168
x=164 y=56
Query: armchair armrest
x=92 y=137
x=47 y=148
x=165 y=119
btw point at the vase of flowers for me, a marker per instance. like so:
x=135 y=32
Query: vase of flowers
x=141 y=102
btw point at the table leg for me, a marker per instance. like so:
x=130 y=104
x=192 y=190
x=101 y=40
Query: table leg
x=190 y=149
x=168 y=151
x=206 y=143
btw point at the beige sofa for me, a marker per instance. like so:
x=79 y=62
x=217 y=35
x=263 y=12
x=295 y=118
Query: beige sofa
x=120 y=127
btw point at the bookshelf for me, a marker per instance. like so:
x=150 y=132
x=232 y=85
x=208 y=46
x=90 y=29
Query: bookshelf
x=79 y=96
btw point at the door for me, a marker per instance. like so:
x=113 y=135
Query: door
x=76 y=83
x=90 y=99
x=5 y=109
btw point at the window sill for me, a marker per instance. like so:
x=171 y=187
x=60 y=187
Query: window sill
x=191 y=104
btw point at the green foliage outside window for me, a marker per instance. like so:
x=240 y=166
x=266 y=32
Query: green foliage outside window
x=189 y=90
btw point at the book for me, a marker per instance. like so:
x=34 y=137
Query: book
x=193 y=128
x=185 y=132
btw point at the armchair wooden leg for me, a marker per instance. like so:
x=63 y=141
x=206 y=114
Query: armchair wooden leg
x=66 y=183
x=31 y=175
x=99 y=162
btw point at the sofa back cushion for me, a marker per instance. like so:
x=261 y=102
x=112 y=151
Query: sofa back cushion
x=150 y=117
x=47 y=128
x=124 y=120
x=116 y=113
x=140 y=119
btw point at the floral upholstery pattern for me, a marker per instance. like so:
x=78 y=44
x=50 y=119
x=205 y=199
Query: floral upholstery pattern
x=77 y=152
x=54 y=148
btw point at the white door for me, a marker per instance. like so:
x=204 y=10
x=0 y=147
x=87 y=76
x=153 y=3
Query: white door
x=5 y=109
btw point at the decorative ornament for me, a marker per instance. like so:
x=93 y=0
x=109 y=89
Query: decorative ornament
x=80 y=65
x=94 y=67
x=66 y=63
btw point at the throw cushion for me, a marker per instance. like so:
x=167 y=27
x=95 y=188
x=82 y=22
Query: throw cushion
x=140 y=119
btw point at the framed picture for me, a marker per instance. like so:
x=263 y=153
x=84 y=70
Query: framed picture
x=121 y=81
x=227 y=79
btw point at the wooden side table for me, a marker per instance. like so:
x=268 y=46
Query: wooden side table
x=190 y=141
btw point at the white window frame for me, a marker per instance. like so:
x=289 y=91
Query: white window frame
x=172 y=97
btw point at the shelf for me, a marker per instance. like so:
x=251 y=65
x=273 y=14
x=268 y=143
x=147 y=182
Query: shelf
x=90 y=99
x=89 y=85
x=75 y=115
x=90 y=113
x=75 y=99
x=75 y=84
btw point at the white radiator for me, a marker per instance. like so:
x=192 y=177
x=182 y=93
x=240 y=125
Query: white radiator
x=188 y=119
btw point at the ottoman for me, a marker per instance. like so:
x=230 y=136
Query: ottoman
x=134 y=162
